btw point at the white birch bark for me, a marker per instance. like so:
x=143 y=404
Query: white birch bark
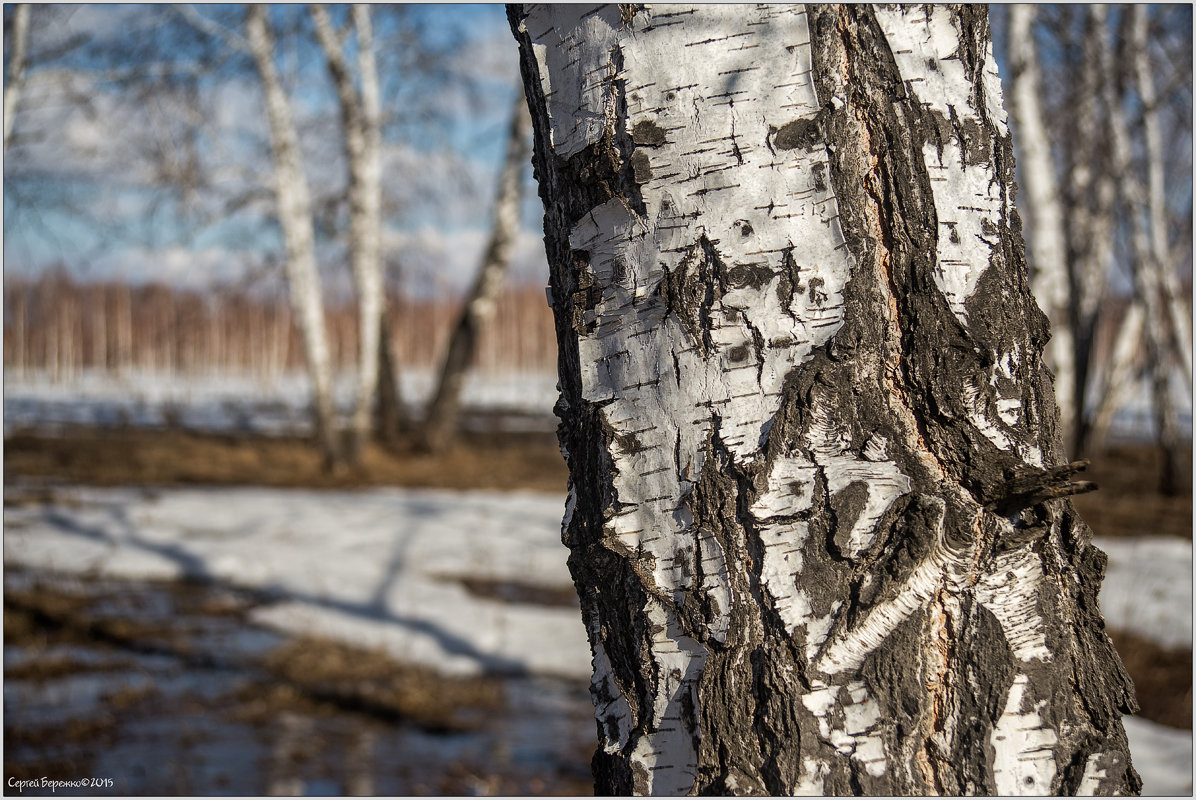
x=361 y=122
x=737 y=212
x=441 y=418
x=15 y=83
x=1041 y=201
x=293 y=202
x=369 y=273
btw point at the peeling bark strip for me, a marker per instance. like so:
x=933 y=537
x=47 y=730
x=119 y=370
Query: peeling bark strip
x=813 y=513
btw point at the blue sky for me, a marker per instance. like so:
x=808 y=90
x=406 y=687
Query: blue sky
x=79 y=190
x=82 y=191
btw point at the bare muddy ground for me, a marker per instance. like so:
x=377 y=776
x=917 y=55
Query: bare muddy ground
x=1127 y=504
x=165 y=688
x=132 y=456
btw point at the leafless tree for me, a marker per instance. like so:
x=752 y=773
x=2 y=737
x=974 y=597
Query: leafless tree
x=440 y=421
x=295 y=217
x=18 y=45
x=361 y=124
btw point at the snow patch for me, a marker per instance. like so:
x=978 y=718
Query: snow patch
x=1162 y=756
x=1148 y=589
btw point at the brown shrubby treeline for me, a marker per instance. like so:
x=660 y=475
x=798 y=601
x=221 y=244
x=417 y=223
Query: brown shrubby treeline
x=60 y=326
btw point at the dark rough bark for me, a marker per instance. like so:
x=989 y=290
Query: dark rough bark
x=903 y=370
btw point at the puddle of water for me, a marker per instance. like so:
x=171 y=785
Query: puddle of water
x=164 y=688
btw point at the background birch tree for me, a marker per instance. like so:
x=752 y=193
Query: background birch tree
x=816 y=514
x=1042 y=203
x=1112 y=104
x=1168 y=345
x=440 y=421
x=295 y=217
x=1090 y=196
x=361 y=122
x=17 y=43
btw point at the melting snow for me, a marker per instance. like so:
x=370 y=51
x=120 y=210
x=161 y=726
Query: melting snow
x=380 y=568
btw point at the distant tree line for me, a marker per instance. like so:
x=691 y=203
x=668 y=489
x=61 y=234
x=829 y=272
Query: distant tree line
x=57 y=326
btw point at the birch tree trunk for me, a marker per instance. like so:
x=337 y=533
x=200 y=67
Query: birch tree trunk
x=814 y=514
x=361 y=121
x=1089 y=223
x=1120 y=375
x=1043 y=207
x=440 y=422
x=15 y=83
x=1177 y=320
x=391 y=418
x=294 y=216
x=1148 y=279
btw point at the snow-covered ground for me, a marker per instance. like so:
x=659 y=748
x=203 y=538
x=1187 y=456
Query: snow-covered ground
x=233 y=403
x=379 y=568
x=252 y=405
x=383 y=568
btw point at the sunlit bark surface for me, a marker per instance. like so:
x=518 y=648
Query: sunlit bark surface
x=813 y=514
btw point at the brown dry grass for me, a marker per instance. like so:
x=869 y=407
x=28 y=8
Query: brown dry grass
x=1163 y=679
x=374 y=682
x=109 y=457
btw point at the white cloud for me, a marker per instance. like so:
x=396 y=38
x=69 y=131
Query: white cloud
x=74 y=128
x=440 y=261
x=178 y=266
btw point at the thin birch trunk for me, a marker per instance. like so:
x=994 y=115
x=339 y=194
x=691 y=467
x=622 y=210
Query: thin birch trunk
x=440 y=423
x=21 y=333
x=1042 y=204
x=1177 y=319
x=392 y=417
x=124 y=329
x=1120 y=376
x=361 y=121
x=13 y=86
x=814 y=514
x=1090 y=222
x=1148 y=283
x=295 y=218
